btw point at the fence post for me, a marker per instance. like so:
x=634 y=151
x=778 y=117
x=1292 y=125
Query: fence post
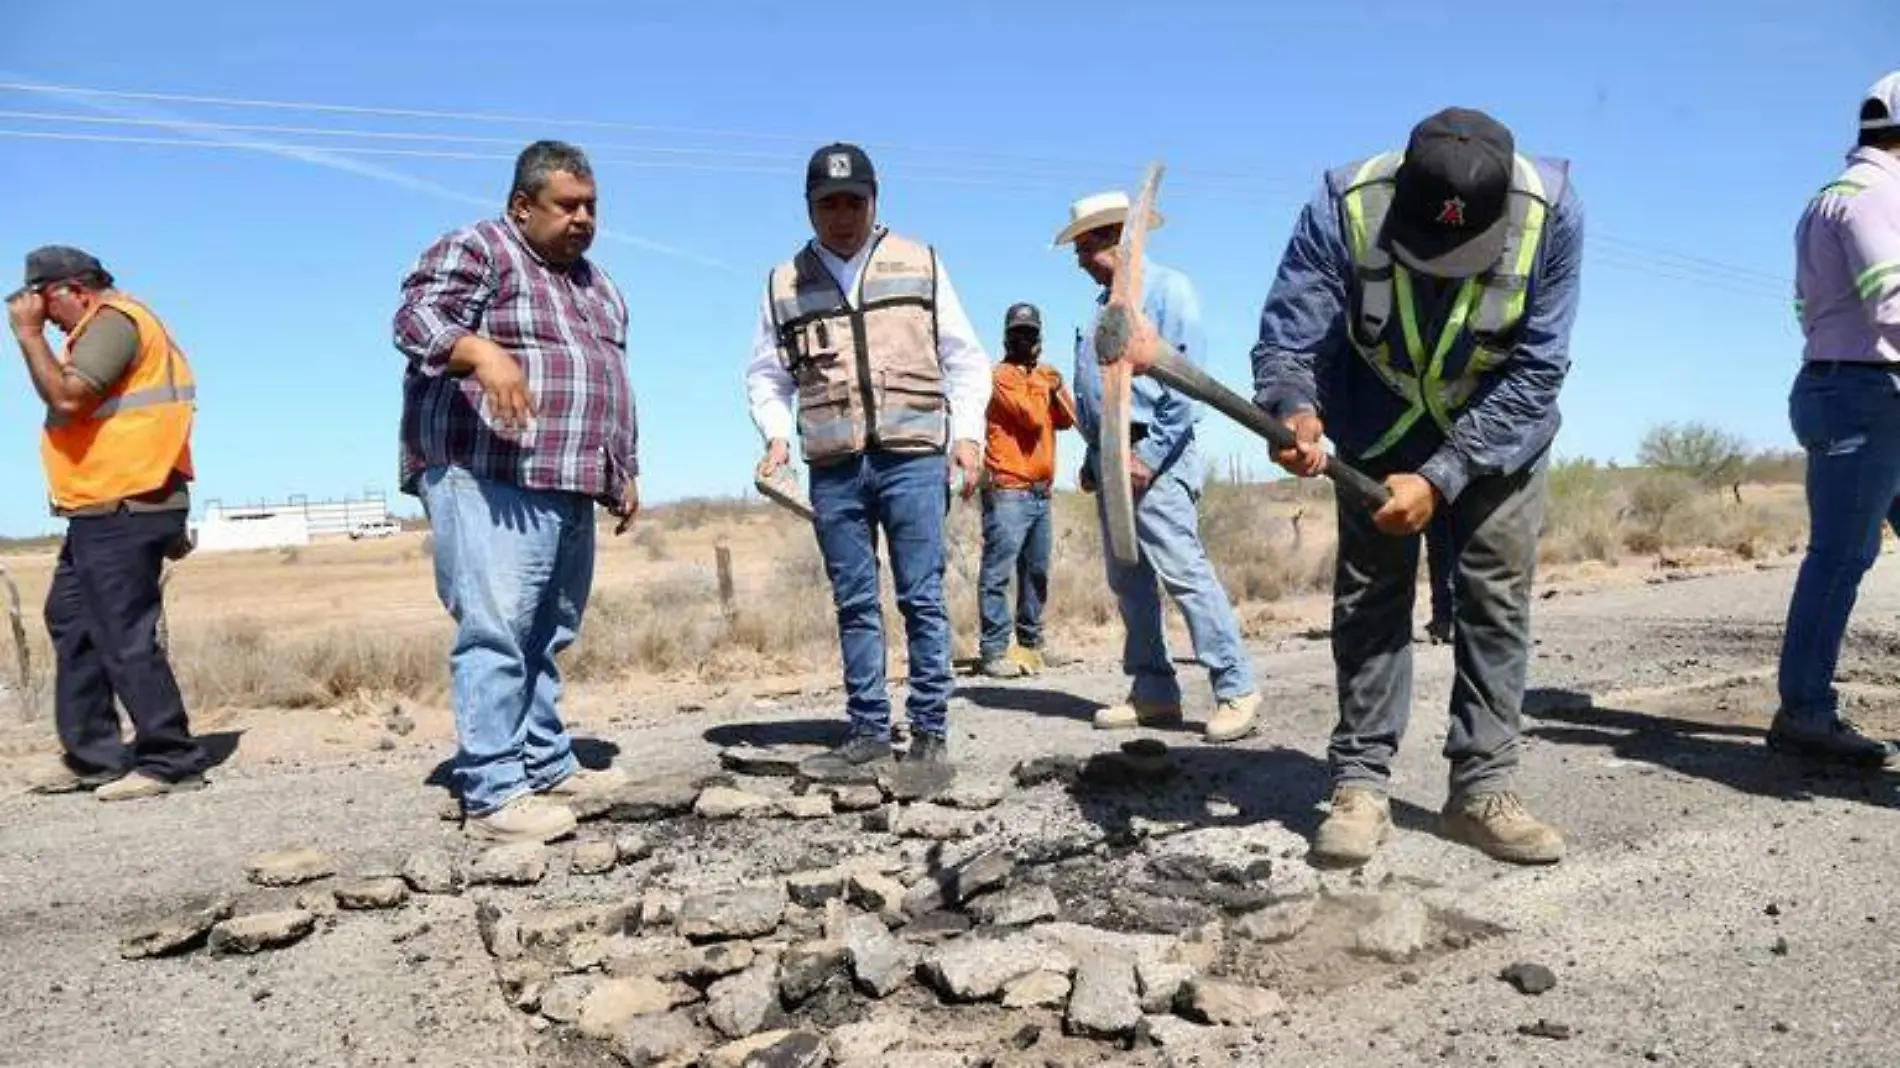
x=722 y=556
x=23 y=654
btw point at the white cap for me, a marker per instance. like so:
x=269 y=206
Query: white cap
x=1881 y=109
x=1098 y=210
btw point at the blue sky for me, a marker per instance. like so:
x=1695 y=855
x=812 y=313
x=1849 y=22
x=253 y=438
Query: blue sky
x=1695 y=130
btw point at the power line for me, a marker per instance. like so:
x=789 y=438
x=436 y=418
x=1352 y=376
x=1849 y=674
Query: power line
x=1201 y=180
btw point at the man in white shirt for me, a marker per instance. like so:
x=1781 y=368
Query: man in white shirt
x=864 y=331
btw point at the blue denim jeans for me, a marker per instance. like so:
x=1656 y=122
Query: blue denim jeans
x=1171 y=557
x=907 y=499
x=1848 y=420
x=513 y=567
x=1017 y=539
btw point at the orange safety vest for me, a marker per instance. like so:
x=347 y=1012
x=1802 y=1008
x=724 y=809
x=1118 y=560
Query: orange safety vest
x=138 y=434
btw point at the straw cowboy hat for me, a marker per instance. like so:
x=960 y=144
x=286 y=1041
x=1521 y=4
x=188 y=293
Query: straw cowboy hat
x=1098 y=210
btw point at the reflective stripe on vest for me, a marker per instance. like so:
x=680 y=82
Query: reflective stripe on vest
x=1488 y=307
x=144 y=398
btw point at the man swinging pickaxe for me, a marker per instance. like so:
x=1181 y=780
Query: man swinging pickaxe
x=1126 y=344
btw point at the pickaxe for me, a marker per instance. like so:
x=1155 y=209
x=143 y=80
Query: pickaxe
x=1126 y=345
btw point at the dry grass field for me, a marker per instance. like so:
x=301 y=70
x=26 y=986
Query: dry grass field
x=355 y=625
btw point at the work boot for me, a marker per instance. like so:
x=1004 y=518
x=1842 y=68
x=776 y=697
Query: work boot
x=1234 y=719
x=1002 y=667
x=1359 y=823
x=587 y=785
x=1498 y=824
x=527 y=818
x=928 y=749
x=1030 y=660
x=1139 y=714
x=858 y=760
x=140 y=785
x=60 y=778
x=1834 y=741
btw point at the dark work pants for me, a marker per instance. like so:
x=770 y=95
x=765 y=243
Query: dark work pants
x=1494 y=525
x=1438 y=565
x=102 y=613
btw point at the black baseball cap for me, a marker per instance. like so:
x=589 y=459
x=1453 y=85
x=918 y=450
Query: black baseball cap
x=840 y=168
x=59 y=263
x=1023 y=315
x=1451 y=195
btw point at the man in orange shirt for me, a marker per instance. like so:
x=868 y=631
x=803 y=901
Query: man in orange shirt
x=1028 y=404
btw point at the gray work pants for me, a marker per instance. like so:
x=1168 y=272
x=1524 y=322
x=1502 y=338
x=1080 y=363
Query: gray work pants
x=1495 y=525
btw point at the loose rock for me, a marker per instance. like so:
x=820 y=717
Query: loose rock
x=318 y=901
x=879 y=962
x=261 y=930
x=561 y=1000
x=524 y=982
x=864 y=1044
x=1036 y=990
x=861 y=797
x=289 y=867
x=656 y=799
x=746 y=1003
x=1398 y=934
x=1210 y=1001
x=176 y=931
x=805 y=806
x=876 y=893
x=972 y=795
x=594 y=858
x=977 y=968
x=516 y=864
x=747 y=912
x=651 y=1040
x=500 y=931
x=1546 y=1029
x=985 y=871
x=365 y=894
x=934 y=823
x=1016 y=906
x=1032 y=773
x=1276 y=923
x=632 y=847
x=432 y=871
x=803 y=970
x=613 y=1002
x=1532 y=979
x=774 y=1049
x=554 y=928
x=1160 y=982
x=1105 y=1002
x=934 y=927
x=721 y=803
x=812 y=889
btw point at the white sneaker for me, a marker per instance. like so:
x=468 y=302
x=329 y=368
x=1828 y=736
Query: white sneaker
x=527 y=818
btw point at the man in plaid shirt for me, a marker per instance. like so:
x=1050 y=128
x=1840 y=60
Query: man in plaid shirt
x=517 y=417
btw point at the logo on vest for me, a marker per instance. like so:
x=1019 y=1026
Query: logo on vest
x=1453 y=213
x=838 y=165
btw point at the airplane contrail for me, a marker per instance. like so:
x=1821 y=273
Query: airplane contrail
x=320 y=158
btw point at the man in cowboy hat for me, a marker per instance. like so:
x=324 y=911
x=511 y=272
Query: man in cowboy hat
x=1460 y=241
x=862 y=329
x=1167 y=476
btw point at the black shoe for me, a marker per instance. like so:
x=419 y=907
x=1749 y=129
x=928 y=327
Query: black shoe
x=857 y=760
x=1834 y=741
x=928 y=749
x=1438 y=631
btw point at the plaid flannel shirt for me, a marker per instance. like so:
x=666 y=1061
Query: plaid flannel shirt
x=567 y=326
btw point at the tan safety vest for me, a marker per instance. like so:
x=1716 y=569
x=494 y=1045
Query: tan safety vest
x=139 y=434
x=1489 y=306
x=869 y=377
